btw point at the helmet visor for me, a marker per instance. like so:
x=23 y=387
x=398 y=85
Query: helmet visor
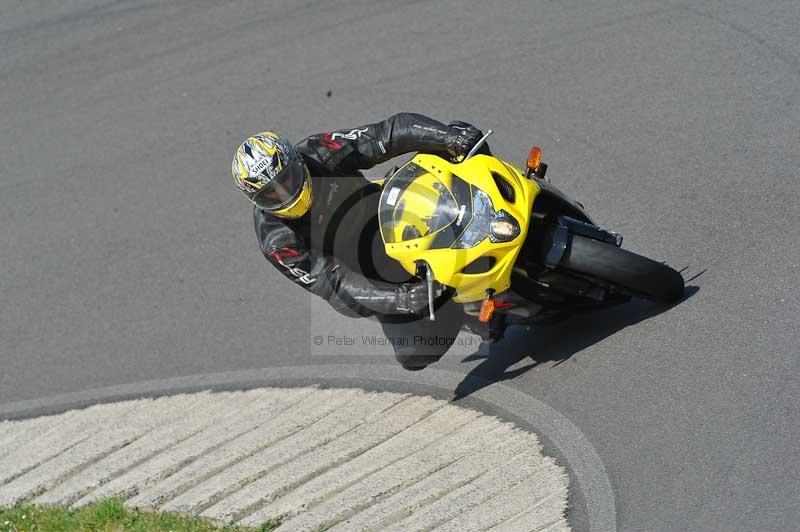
x=284 y=188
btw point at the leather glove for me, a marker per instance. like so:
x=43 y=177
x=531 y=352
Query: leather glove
x=413 y=297
x=461 y=137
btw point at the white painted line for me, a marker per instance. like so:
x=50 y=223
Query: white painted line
x=340 y=458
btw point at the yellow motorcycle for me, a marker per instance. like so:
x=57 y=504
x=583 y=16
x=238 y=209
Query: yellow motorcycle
x=510 y=246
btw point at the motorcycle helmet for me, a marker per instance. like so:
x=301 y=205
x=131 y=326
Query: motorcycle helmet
x=270 y=172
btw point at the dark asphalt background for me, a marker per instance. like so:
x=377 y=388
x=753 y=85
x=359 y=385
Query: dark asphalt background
x=126 y=253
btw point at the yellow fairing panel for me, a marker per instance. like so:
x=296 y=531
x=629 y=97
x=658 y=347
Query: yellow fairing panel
x=448 y=263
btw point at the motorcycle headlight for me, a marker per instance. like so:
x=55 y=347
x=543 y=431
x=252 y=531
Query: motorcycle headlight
x=487 y=222
x=503 y=228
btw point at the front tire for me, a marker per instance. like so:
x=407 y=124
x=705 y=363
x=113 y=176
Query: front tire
x=636 y=274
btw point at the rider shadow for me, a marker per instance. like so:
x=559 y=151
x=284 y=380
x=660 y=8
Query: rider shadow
x=553 y=343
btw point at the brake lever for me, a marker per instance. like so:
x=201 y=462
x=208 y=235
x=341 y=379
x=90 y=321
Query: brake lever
x=429 y=280
x=478 y=145
x=427 y=274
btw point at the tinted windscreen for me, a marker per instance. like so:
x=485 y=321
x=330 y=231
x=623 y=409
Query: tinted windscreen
x=413 y=204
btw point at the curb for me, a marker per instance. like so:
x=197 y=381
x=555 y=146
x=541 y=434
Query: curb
x=586 y=469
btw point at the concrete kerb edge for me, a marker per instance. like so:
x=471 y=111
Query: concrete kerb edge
x=581 y=458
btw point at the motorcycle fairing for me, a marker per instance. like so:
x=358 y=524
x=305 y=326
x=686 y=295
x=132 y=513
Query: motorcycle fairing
x=440 y=209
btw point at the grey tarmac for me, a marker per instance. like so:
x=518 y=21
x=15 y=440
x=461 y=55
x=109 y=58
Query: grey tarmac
x=127 y=255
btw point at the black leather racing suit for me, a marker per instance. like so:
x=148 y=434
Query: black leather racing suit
x=323 y=251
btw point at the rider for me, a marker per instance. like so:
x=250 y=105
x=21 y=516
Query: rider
x=305 y=196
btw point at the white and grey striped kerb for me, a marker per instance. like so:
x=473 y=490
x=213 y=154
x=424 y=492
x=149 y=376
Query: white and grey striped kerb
x=339 y=459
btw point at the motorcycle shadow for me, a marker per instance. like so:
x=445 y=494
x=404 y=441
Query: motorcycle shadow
x=553 y=343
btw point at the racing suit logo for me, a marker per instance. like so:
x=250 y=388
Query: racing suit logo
x=282 y=253
x=353 y=134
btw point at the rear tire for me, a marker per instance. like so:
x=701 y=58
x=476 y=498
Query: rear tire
x=639 y=275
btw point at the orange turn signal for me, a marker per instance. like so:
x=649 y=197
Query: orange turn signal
x=534 y=158
x=487 y=309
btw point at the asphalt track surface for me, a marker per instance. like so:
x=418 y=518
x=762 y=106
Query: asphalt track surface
x=127 y=254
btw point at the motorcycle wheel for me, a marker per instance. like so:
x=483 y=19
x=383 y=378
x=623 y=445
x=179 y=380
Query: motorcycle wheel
x=634 y=273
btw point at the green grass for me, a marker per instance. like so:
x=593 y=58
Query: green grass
x=107 y=516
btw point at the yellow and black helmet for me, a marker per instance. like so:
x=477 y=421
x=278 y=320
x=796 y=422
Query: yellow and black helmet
x=272 y=175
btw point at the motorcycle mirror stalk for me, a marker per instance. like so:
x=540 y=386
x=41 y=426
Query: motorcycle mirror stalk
x=535 y=166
